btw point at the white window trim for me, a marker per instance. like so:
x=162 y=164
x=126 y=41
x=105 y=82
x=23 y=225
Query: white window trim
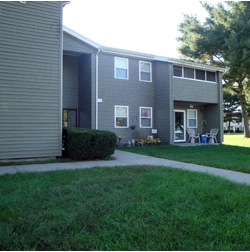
x=124 y=68
x=120 y=127
x=151 y=117
x=196 y=119
x=214 y=76
x=204 y=76
x=150 y=64
x=194 y=79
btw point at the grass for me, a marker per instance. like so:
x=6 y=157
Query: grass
x=123 y=208
x=236 y=139
x=33 y=161
x=230 y=155
x=42 y=161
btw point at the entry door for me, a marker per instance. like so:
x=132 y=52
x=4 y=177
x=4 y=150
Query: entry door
x=179 y=126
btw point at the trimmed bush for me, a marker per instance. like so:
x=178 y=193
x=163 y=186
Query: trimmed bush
x=86 y=144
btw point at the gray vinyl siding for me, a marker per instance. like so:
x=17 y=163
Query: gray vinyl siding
x=213 y=118
x=85 y=92
x=77 y=87
x=194 y=90
x=86 y=56
x=30 y=79
x=70 y=82
x=132 y=93
x=75 y=45
x=214 y=112
x=163 y=102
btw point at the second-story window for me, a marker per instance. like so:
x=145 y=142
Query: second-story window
x=145 y=71
x=121 y=68
x=200 y=74
x=177 y=71
x=188 y=72
x=211 y=76
x=192 y=73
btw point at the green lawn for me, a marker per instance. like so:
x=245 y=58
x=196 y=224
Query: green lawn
x=236 y=140
x=233 y=154
x=123 y=208
x=131 y=208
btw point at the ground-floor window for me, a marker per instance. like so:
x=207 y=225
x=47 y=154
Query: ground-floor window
x=121 y=116
x=145 y=117
x=192 y=118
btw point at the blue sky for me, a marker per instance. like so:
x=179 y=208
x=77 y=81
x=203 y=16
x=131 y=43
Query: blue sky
x=149 y=26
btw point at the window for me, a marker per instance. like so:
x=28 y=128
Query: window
x=145 y=117
x=121 y=116
x=192 y=118
x=211 y=76
x=188 y=72
x=121 y=68
x=145 y=71
x=192 y=73
x=177 y=71
x=200 y=74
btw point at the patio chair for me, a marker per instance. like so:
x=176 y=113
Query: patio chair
x=212 y=135
x=192 y=136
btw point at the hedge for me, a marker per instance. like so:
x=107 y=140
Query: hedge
x=86 y=144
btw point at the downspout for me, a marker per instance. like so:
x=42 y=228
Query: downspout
x=96 y=87
x=61 y=82
x=171 y=107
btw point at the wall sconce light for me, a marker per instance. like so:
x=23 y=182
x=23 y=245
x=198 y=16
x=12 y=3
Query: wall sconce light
x=190 y=106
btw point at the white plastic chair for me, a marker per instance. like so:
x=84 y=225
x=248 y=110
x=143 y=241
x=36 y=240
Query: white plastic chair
x=192 y=136
x=212 y=135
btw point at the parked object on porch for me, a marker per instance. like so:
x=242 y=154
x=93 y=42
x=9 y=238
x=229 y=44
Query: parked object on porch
x=129 y=143
x=133 y=142
x=204 y=139
x=212 y=135
x=192 y=136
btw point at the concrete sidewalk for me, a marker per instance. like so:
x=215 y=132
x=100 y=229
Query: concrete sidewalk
x=122 y=158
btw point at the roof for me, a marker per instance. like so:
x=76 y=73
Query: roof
x=141 y=55
x=81 y=38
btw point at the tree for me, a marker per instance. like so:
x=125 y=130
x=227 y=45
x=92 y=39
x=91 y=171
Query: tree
x=223 y=40
x=231 y=105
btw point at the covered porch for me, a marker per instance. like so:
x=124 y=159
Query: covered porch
x=200 y=117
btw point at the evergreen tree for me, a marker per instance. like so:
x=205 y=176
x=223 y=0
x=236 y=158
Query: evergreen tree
x=224 y=40
x=231 y=105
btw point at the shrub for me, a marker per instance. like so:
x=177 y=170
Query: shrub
x=86 y=144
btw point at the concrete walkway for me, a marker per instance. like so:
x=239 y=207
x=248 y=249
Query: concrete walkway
x=122 y=158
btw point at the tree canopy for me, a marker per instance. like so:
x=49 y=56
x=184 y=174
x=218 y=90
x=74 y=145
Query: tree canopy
x=223 y=40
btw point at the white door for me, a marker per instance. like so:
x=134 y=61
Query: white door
x=179 y=126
